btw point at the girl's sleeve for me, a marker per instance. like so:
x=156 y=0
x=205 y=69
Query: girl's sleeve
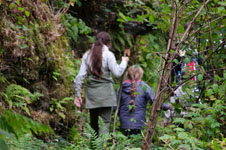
x=116 y=69
x=150 y=94
x=80 y=77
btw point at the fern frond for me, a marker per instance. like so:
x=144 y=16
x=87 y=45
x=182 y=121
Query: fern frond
x=18 y=93
x=5 y=128
x=99 y=142
x=19 y=125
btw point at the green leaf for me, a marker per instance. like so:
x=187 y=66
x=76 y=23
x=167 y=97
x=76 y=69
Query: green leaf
x=12 y=5
x=184 y=146
x=216 y=145
x=179 y=129
x=200 y=77
x=182 y=135
x=21 y=9
x=148 y=56
x=144 y=88
x=172 y=51
x=166 y=137
x=220 y=9
x=215 y=88
x=151 y=19
x=24 y=46
x=176 y=61
x=123 y=17
x=18 y=2
x=216 y=77
x=209 y=92
x=179 y=120
x=180 y=28
x=140 y=18
x=27 y=13
x=121 y=40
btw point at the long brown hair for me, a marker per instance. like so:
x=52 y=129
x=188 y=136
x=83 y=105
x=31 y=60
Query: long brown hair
x=102 y=38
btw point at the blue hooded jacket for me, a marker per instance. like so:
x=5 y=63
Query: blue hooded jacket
x=137 y=118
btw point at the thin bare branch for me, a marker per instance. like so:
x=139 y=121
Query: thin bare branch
x=197 y=30
x=190 y=24
x=210 y=33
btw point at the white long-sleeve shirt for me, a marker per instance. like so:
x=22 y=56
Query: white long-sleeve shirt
x=109 y=64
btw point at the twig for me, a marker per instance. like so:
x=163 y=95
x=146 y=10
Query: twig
x=210 y=33
x=221 y=120
x=167 y=143
x=206 y=25
x=189 y=26
x=118 y=101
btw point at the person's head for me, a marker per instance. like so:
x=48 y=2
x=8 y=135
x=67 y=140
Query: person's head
x=134 y=73
x=102 y=38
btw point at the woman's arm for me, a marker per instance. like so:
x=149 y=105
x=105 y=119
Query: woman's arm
x=80 y=77
x=116 y=69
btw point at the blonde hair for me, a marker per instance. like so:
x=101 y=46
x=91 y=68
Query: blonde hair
x=134 y=73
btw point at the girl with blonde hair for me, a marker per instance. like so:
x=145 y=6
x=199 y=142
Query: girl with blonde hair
x=135 y=95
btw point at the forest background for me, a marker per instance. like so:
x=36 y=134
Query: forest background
x=42 y=42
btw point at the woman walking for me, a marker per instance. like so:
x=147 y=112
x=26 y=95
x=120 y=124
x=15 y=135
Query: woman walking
x=98 y=65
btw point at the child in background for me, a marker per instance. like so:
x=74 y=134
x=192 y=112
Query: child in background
x=135 y=95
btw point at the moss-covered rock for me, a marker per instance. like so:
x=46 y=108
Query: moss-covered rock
x=35 y=51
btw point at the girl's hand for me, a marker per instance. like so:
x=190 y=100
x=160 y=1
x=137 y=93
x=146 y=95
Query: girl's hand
x=78 y=101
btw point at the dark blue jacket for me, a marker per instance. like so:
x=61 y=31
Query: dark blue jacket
x=137 y=118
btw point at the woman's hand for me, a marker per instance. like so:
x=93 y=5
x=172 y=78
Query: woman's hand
x=78 y=101
x=125 y=58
